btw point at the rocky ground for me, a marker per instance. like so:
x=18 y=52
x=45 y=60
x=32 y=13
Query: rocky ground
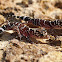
x=14 y=50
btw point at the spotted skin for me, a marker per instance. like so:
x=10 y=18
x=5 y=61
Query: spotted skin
x=22 y=30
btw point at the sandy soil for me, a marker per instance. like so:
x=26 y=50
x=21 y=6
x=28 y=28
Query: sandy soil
x=45 y=50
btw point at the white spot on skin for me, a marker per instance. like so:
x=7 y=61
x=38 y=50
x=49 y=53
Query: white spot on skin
x=2 y=29
x=56 y=21
x=23 y=27
x=44 y=22
x=19 y=24
x=29 y=29
x=16 y=23
x=4 y=26
x=10 y=31
x=9 y=23
x=19 y=33
x=50 y=23
x=13 y=15
x=24 y=17
x=34 y=29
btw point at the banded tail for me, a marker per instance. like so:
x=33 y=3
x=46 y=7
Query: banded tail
x=57 y=24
